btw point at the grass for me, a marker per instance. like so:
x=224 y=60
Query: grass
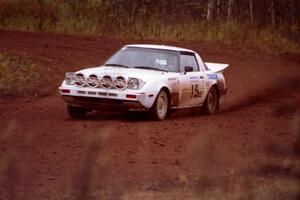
x=107 y=19
x=20 y=75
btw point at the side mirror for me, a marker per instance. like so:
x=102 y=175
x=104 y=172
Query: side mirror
x=188 y=69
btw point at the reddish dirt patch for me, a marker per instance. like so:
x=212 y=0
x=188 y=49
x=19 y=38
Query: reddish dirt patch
x=245 y=151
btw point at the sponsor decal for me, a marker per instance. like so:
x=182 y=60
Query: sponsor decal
x=212 y=76
x=193 y=77
x=172 y=79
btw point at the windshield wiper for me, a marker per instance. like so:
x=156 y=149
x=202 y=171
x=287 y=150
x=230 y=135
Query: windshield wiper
x=151 y=68
x=116 y=65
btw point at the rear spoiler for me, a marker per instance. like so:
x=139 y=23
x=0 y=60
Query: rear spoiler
x=216 y=67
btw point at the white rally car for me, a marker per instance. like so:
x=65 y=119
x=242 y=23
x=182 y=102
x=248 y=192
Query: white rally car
x=154 y=78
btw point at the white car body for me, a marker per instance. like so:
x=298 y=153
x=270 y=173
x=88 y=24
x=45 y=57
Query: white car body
x=184 y=88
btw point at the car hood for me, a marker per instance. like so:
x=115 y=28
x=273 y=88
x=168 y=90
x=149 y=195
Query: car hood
x=143 y=74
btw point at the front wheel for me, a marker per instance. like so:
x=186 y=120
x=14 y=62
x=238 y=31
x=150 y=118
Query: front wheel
x=211 y=103
x=160 y=107
x=76 y=112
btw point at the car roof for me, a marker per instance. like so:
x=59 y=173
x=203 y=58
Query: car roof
x=163 y=47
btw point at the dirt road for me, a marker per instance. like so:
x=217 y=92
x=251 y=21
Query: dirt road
x=244 y=152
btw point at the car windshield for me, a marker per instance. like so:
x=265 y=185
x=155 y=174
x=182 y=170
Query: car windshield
x=145 y=58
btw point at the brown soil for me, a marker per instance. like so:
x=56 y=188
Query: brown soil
x=247 y=151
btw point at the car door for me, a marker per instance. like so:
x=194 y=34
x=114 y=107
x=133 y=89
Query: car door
x=191 y=81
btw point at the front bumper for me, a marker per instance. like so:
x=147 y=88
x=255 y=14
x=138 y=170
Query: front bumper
x=103 y=104
x=95 y=98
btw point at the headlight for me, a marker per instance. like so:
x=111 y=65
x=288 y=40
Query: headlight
x=93 y=80
x=80 y=80
x=134 y=83
x=70 y=78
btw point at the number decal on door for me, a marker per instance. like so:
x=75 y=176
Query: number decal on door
x=196 y=93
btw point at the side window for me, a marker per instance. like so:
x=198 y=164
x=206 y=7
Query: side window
x=201 y=64
x=188 y=60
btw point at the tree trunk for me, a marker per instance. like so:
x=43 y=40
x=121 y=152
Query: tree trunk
x=273 y=13
x=211 y=10
x=40 y=15
x=296 y=16
x=251 y=11
x=230 y=10
x=219 y=9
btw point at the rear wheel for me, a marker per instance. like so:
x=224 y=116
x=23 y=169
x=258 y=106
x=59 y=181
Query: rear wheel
x=160 y=107
x=76 y=112
x=211 y=103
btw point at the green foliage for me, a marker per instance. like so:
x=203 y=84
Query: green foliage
x=19 y=75
x=144 y=19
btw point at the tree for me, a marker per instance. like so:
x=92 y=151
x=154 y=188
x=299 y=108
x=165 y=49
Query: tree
x=251 y=11
x=272 y=8
x=219 y=9
x=211 y=9
x=230 y=10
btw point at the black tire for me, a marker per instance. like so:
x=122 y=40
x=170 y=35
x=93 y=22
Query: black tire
x=77 y=112
x=160 y=108
x=211 y=103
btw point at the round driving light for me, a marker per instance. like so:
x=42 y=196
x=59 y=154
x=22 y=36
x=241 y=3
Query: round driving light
x=79 y=80
x=92 y=81
x=106 y=82
x=133 y=84
x=120 y=82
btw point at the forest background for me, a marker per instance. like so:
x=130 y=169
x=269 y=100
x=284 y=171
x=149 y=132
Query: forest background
x=271 y=25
